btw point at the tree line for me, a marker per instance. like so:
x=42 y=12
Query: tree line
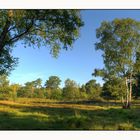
x=50 y=90
x=71 y=91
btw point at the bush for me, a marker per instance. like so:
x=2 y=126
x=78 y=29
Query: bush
x=5 y=93
x=98 y=99
x=71 y=93
x=4 y=96
x=83 y=95
x=79 y=122
x=22 y=92
x=126 y=126
x=13 y=96
x=39 y=93
x=56 y=94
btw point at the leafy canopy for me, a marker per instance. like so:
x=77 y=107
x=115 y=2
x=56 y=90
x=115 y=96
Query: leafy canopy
x=55 y=29
x=53 y=82
x=71 y=89
x=93 y=89
x=119 y=42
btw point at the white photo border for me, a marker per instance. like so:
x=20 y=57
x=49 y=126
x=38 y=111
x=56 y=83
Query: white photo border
x=69 y=4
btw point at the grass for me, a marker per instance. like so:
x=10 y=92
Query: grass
x=42 y=114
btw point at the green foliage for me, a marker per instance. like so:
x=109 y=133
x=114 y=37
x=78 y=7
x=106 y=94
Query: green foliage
x=71 y=90
x=136 y=86
x=22 y=92
x=5 y=90
x=83 y=94
x=14 y=88
x=93 y=89
x=37 y=83
x=53 y=82
x=6 y=96
x=56 y=94
x=114 y=89
x=4 y=82
x=106 y=93
x=7 y=61
x=56 y=29
x=38 y=93
x=126 y=126
x=119 y=42
x=32 y=89
x=13 y=96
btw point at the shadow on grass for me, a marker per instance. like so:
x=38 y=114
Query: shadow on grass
x=82 y=102
x=76 y=119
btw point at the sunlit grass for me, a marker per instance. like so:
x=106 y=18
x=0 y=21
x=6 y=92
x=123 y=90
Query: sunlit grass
x=32 y=114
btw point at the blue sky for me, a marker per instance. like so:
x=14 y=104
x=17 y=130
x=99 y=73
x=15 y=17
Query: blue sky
x=76 y=64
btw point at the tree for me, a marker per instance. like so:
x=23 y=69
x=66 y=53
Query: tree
x=83 y=93
x=53 y=82
x=4 y=87
x=29 y=88
x=56 y=29
x=23 y=91
x=37 y=83
x=71 y=90
x=114 y=89
x=56 y=94
x=119 y=42
x=83 y=88
x=106 y=91
x=14 y=89
x=7 y=61
x=52 y=87
x=136 y=86
x=93 y=89
x=4 y=81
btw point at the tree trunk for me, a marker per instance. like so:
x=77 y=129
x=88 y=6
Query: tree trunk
x=122 y=100
x=3 y=35
x=126 y=104
x=130 y=92
x=127 y=93
x=5 y=31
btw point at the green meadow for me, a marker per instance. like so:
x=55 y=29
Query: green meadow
x=42 y=114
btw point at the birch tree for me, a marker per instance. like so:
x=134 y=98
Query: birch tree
x=119 y=41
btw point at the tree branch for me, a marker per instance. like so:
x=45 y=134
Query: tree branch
x=3 y=35
x=17 y=37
